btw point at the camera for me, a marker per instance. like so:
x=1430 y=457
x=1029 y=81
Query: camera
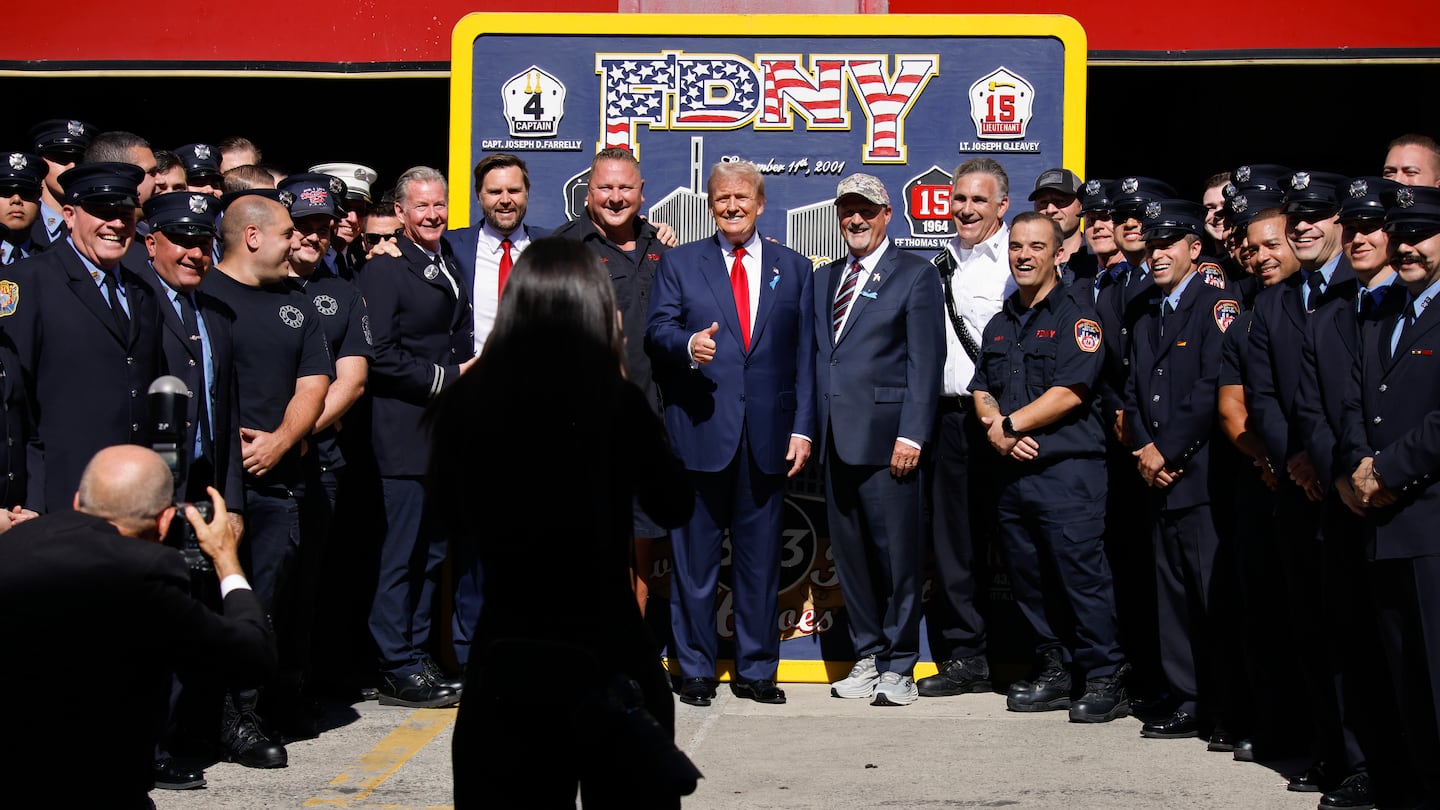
x=169 y=402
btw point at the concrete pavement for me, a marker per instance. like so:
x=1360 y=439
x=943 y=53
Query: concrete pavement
x=814 y=753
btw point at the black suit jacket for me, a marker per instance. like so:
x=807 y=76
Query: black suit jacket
x=1120 y=307
x=421 y=332
x=81 y=598
x=86 y=382
x=183 y=357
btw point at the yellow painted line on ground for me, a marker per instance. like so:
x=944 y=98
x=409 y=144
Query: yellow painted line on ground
x=355 y=784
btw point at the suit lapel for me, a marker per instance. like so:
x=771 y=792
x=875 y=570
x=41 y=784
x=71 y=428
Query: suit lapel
x=769 y=271
x=884 y=269
x=83 y=286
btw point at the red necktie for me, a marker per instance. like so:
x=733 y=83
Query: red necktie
x=505 y=266
x=844 y=296
x=740 y=284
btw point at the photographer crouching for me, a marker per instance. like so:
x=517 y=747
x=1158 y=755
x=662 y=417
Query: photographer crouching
x=95 y=613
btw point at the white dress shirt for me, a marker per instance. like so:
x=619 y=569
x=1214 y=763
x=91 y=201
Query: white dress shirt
x=752 y=264
x=485 y=296
x=980 y=285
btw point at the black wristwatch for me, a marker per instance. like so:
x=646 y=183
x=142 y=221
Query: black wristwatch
x=1008 y=426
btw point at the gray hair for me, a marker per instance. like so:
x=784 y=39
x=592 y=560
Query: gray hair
x=738 y=170
x=418 y=174
x=984 y=165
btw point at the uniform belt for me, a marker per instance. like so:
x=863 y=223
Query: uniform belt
x=949 y=404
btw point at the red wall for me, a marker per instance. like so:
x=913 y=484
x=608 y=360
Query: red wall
x=406 y=31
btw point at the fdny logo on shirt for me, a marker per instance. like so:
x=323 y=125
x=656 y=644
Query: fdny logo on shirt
x=1087 y=335
x=292 y=317
x=1226 y=312
x=326 y=305
x=9 y=298
x=1213 y=275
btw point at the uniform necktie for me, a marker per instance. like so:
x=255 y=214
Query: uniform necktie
x=740 y=284
x=845 y=296
x=1402 y=323
x=1166 y=310
x=111 y=283
x=505 y=266
x=1314 y=286
x=202 y=397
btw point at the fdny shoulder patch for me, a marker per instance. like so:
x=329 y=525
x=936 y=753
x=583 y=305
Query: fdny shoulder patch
x=9 y=298
x=1087 y=335
x=1213 y=275
x=1226 y=311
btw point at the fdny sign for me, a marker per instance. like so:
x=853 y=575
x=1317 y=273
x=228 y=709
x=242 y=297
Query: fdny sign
x=718 y=91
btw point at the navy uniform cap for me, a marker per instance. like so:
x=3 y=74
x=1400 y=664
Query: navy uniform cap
x=285 y=198
x=1266 y=176
x=1412 y=210
x=1095 y=195
x=1248 y=203
x=1170 y=219
x=1314 y=192
x=1360 y=198
x=1132 y=191
x=62 y=135
x=315 y=193
x=183 y=212
x=102 y=183
x=22 y=172
x=199 y=160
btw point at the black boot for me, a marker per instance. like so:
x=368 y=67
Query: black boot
x=1048 y=692
x=1104 y=700
x=241 y=737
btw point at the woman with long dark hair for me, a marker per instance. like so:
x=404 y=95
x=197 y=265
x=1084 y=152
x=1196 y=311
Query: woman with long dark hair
x=539 y=453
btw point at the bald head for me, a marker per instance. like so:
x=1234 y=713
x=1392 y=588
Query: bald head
x=246 y=212
x=128 y=485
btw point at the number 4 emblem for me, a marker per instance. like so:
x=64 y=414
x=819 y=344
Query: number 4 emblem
x=534 y=103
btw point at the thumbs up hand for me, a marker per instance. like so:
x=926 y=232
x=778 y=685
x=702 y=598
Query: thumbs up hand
x=702 y=344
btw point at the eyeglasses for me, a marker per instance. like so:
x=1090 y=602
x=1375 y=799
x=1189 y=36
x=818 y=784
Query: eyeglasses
x=373 y=239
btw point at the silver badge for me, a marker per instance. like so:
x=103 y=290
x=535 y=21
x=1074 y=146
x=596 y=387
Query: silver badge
x=431 y=272
x=1359 y=189
x=1242 y=174
x=1152 y=210
x=1300 y=181
x=365 y=328
x=361 y=174
x=17 y=161
x=337 y=186
x=287 y=199
x=75 y=128
x=292 y=317
x=1239 y=204
x=1405 y=198
x=1129 y=185
x=1229 y=190
x=197 y=203
x=1092 y=188
x=326 y=305
x=202 y=151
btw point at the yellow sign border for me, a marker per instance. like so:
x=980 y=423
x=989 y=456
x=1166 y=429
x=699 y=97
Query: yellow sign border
x=472 y=26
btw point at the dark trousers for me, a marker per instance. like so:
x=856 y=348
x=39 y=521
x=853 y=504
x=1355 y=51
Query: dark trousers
x=749 y=503
x=1185 y=562
x=876 y=525
x=1130 y=550
x=1407 y=603
x=272 y=540
x=960 y=467
x=410 y=562
x=1051 y=526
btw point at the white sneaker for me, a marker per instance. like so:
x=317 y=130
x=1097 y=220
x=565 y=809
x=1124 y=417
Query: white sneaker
x=895 y=689
x=860 y=683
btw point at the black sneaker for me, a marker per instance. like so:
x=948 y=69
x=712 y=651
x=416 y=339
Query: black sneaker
x=958 y=677
x=1104 y=700
x=415 y=691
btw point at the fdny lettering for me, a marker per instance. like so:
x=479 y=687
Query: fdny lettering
x=1044 y=333
x=672 y=90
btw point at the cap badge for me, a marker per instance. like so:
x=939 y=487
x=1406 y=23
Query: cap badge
x=75 y=128
x=287 y=199
x=1242 y=174
x=1300 y=181
x=1152 y=210
x=315 y=196
x=17 y=161
x=197 y=203
x=1405 y=198
x=360 y=174
x=1359 y=189
x=431 y=272
x=202 y=151
x=337 y=186
x=1229 y=190
x=1092 y=188
x=1129 y=185
x=1239 y=204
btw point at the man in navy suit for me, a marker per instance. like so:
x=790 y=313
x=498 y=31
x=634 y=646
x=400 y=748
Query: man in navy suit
x=1390 y=438
x=739 y=406
x=881 y=341
x=485 y=253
